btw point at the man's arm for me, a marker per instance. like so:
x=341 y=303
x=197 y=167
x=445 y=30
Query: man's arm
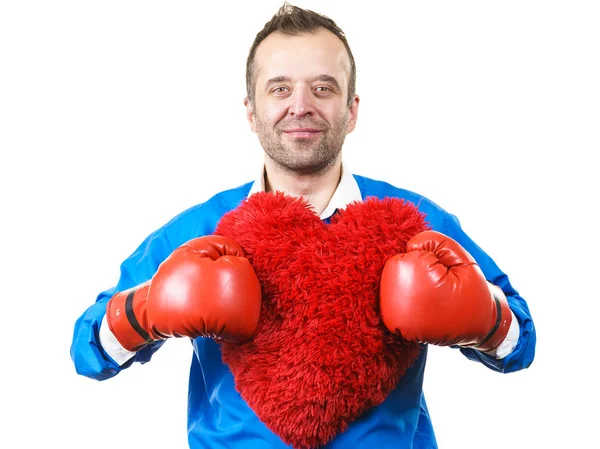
x=444 y=290
x=522 y=355
x=88 y=355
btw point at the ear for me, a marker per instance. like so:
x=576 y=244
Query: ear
x=250 y=113
x=353 y=115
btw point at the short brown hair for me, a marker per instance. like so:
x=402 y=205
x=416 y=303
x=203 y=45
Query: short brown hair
x=292 y=21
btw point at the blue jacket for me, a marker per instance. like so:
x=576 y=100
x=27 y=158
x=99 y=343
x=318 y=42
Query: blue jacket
x=217 y=416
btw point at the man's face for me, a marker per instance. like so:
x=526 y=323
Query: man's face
x=300 y=112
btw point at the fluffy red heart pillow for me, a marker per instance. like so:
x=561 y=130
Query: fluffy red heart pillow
x=321 y=355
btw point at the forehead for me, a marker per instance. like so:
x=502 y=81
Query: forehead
x=303 y=55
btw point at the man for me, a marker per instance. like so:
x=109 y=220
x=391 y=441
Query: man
x=185 y=281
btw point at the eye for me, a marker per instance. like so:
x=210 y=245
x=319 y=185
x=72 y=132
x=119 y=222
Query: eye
x=324 y=91
x=280 y=89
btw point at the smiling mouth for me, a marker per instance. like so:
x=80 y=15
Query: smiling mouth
x=302 y=132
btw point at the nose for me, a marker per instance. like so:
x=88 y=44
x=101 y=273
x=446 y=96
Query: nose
x=301 y=102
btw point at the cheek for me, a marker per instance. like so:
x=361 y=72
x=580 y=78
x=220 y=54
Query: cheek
x=271 y=113
x=336 y=115
x=332 y=110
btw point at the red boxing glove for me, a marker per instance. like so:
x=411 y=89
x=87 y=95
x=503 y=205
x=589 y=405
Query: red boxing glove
x=205 y=288
x=436 y=293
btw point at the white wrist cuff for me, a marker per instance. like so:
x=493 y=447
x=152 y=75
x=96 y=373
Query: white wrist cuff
x=111 y=345
x=510 y=341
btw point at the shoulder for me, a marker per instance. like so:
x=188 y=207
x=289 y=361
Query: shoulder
x=436 y=215
x=202 y=218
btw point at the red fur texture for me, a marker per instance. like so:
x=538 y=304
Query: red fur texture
x=321 y=355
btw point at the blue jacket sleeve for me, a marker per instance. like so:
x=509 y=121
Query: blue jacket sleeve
x=522 y=356
x=87 y=355
x=89 y=358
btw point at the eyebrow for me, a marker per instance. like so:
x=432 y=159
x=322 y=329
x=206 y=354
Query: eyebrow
x=325 y=78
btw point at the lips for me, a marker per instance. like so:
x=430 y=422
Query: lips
x=302 y=132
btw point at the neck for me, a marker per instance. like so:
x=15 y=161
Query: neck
x=316 y=188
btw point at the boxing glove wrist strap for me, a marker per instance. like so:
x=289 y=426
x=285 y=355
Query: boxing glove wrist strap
x=501 y=324
x=122 y=320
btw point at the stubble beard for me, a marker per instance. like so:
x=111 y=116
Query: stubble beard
x=298 y=156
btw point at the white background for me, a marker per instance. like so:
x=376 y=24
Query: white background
x=117 y=115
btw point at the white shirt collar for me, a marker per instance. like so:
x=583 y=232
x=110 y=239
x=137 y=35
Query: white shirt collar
x=346 y=192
